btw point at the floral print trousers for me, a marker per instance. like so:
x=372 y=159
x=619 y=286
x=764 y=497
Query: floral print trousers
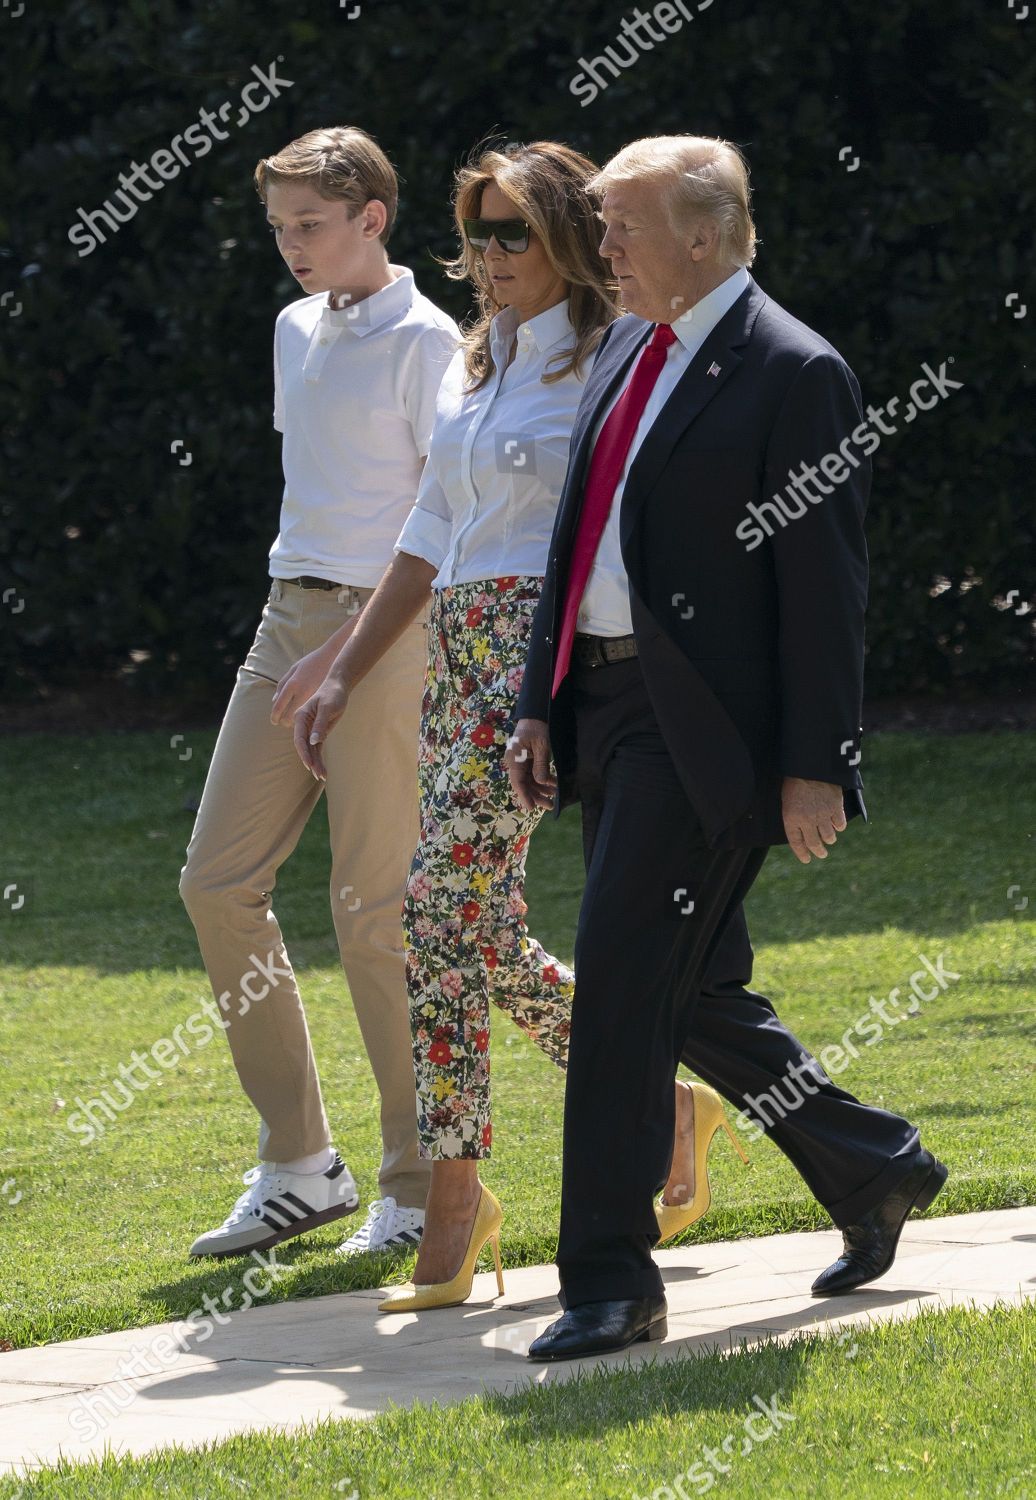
x=464 y=934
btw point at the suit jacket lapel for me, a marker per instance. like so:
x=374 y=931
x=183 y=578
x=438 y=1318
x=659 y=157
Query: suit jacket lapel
x=692 y=393
x=709 y=370
x=613 y=367
x=609 y=371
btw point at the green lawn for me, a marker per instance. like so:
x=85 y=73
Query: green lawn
x=934 y=1409
x=100 y=959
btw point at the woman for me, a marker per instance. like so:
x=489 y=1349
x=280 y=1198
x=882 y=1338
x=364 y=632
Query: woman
x=478 y=537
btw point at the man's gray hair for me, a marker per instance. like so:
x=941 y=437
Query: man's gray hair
x=702 y=176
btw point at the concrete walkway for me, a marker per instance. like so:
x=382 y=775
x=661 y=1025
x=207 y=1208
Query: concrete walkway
x=293 y=1362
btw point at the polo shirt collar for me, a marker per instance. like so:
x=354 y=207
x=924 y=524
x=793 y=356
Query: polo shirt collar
x=386 y=305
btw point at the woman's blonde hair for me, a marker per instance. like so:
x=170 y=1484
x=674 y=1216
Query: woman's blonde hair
x=341 y=161
x=547 y=183
x=701 y=176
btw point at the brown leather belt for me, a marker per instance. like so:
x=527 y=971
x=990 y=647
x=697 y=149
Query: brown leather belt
x=599 y=650
x=308 y=582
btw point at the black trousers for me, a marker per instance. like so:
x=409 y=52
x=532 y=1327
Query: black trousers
x=662 y=962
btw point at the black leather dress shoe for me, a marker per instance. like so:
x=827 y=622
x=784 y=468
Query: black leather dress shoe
x=598 y=1327
x=870 y=1245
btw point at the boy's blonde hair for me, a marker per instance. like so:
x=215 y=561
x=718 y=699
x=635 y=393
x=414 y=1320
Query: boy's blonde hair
x=341 y=161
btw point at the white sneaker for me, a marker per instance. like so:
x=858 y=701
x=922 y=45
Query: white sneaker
x=387 y=1227
x=278 y=1206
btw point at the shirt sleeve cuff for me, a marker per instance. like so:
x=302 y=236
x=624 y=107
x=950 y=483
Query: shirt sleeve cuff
x=425 y=536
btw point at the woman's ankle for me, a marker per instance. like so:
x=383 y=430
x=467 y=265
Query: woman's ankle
x=454 y=1190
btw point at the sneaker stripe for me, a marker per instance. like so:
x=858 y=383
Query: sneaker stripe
x=306 y=1208
x=336 y=1168
x=272 y=1223
x=279 y=1217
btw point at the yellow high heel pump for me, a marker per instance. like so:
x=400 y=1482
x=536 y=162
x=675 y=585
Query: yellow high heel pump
x=485 y=1230
x=709 y=1117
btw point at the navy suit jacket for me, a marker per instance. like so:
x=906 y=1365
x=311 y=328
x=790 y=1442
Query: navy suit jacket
x=749 y=623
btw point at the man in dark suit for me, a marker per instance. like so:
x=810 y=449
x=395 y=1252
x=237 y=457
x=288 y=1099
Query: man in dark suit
x=695 y=669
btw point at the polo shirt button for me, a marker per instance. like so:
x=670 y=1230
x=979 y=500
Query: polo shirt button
x=323 y=341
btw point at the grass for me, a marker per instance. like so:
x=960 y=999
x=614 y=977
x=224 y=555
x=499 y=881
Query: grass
x=936 y=1408
x=100 y=959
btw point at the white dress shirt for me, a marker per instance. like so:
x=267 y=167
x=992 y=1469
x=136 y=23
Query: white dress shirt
x=605 y=606
x=497 y=459
x=354 y=396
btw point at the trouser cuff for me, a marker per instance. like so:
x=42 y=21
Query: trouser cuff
x=610 y=1286
x=851 y=1209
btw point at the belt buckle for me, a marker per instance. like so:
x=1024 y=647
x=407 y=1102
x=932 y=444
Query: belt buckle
x=591 y=653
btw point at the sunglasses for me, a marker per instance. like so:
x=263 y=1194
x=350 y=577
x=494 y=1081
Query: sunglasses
x=511 y=235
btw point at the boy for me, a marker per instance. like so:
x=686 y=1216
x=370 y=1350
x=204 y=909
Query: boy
x=357 y=366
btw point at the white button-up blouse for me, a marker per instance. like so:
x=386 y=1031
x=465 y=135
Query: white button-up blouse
x=496 y=464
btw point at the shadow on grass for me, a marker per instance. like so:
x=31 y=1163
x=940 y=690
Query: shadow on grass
x=313 y=1271
x=103 y=824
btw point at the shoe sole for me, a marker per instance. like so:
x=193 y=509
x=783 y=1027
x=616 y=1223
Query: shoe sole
x=924 y=1198
x=400 y=1245
x=653 y=1333
x=278 y=1236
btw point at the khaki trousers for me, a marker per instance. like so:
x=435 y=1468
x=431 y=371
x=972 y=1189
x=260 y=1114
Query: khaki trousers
x=257 y=799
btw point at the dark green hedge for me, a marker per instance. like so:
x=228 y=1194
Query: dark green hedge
x=118 y=559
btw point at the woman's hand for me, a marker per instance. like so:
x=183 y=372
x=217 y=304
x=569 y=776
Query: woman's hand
x=300 y=683
x=315 y=720
x=296 y=686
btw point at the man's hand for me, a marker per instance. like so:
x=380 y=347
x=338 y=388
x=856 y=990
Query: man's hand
x=315 y=721
x=527 y=762
x=814 y=815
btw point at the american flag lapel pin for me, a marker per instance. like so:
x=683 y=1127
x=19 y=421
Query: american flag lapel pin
x=713 y=368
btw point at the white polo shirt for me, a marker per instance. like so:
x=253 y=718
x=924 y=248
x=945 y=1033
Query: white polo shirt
x=354 y=396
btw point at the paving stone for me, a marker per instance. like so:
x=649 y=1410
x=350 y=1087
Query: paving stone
x=278 y=1367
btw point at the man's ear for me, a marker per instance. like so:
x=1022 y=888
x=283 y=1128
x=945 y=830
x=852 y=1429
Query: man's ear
x=704 y=238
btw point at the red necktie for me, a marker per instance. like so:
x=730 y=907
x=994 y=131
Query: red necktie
x=606 y=466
